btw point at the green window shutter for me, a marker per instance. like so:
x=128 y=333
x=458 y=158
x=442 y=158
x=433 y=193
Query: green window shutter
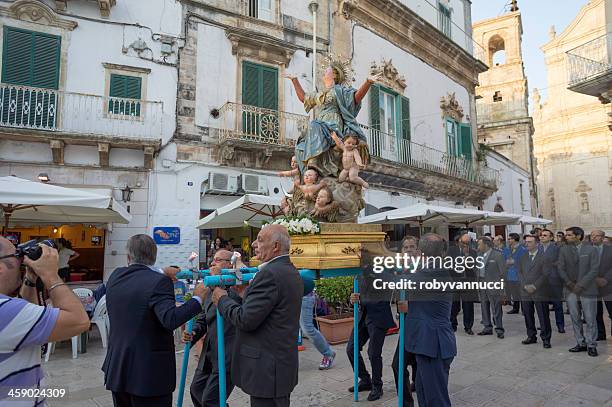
x=465 y=145
x=374 y=96
x=125 y=87
x=30 y=58
x=250 y=84
x=405 y=118
x=269 y=88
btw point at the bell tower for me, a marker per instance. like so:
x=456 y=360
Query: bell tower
x=504 y=124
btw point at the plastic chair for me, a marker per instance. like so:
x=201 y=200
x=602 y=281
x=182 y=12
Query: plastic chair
x=100 y=318
x=51 y=345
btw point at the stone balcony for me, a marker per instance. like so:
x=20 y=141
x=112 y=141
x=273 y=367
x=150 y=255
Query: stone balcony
x=59 y=117
x=250 y=136
x=590 y=68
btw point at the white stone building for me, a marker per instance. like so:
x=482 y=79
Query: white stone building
x=88 y=98
x=238 y=119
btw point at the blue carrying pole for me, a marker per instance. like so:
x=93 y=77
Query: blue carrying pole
x=221 y=359
x=400 y=384
x=179 y=401
x=355 y=343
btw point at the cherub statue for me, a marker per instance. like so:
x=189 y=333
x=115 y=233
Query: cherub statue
x=294 y=173
x=284 y=205
x=351 y=159
x=310 y=187
x=325 y=207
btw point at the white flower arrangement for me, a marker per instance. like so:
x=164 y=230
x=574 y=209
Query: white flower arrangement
x=297 y=225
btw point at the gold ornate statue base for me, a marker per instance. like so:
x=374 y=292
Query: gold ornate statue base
x=336 y=246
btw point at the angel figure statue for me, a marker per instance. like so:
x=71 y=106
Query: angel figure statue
x=294 y=173
x=337 y=107
x=351 y=160
x=325 y=208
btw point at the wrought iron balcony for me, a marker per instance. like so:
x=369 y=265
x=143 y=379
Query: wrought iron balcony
x=590 y=67
x=253 y=124
x=53 y=110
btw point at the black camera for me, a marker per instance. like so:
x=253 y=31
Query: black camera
x=32 y=250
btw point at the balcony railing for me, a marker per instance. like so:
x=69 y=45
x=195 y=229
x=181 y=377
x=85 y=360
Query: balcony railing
x=389 y=147
x=590 y=60
x=60 y=111
x=259 y=125
x=265 y=126
x=490 y=112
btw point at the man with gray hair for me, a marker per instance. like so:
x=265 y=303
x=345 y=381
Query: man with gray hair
x=493 y=269
x=140 y=365
x=265 y=360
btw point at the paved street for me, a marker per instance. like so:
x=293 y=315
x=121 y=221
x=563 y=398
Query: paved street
x=487 y=372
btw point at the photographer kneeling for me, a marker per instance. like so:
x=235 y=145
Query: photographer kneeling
x=25 y=325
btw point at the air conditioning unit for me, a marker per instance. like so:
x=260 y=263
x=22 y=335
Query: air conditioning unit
x=254 y=184
x=220 y=183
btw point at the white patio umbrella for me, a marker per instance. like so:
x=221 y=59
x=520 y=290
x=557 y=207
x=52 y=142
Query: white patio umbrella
x=28 y=202
x=530 y=220
x=497 y=218
x=250 y=208
x=426 y=215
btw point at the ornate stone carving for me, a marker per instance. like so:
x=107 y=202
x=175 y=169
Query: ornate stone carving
x=266 y=49
x=105 y=6
x=450 y=107
x=226 y=153
x=583 y=187
x=36 y=12
x=390 y=75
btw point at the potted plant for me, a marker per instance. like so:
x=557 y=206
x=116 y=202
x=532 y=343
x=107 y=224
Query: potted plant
x=336 y=291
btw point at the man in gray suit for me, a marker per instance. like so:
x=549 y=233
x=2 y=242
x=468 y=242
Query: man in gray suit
x=578 y=267
x=494 y=270
x=603 y=281
x=265 y=355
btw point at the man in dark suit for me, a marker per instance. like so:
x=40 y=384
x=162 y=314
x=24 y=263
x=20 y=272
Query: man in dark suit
x=265 y=359
x=205 y=384
x=555 y=284
x=375 y=318
x=603 y=281
x=465 y=299
x=428 y=331
x=578 y=267
x=140 y=367
x=494 y=270
x=533 y=277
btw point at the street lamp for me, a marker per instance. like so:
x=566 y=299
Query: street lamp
x=43 y=177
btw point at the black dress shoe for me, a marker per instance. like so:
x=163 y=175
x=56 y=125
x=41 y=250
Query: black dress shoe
x=469 y=331
x=601 y=338
x=578 y=348
x=482 y=333
x=546 y=345
x=361 y=386
x=529 y=341
x=500 y=335
x=375 y=394
x=513 y=311
x=561 y=330
x=592 y=352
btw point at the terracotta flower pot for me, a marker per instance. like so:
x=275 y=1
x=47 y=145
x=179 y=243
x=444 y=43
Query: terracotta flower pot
x=336 y=328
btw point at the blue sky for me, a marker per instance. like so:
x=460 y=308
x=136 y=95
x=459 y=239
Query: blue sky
x=537 y=16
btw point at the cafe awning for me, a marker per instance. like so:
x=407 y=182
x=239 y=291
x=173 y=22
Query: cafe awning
x=250 y=208
x=24 y=202
x=530 y=220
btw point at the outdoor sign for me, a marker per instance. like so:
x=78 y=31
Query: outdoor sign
x=167 y=234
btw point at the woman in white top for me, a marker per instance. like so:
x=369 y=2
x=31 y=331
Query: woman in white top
x=66 y=255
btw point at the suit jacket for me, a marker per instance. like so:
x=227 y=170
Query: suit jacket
x=375 y=304
x=605 y=271
x=512 y=270
x=265 y=360
x=469 y=274
x=206 y=324
x=535 y=273
x=495 y=270
x=140 y=359
x=551 y=259
x=580 y=267
x=428 y=330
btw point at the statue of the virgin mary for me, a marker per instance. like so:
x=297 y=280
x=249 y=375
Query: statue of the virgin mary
x=337 y=106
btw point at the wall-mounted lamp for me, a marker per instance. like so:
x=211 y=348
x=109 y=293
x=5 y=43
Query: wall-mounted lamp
x=126 y=193
x=43 y=177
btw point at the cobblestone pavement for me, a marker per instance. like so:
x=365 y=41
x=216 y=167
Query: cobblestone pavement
x=487 y=372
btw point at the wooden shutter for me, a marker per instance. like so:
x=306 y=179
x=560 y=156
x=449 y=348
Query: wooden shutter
x=125 y=87
x=405 y=118
x=250 y=84
x=465 y=143
x=16 y=57
x=374 y=96
x=269 y=88
x=46 y=61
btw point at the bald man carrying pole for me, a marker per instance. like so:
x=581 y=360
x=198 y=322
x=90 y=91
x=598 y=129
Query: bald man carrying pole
x=265 y=355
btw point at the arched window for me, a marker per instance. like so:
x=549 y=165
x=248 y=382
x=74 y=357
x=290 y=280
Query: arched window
x=497 y=51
